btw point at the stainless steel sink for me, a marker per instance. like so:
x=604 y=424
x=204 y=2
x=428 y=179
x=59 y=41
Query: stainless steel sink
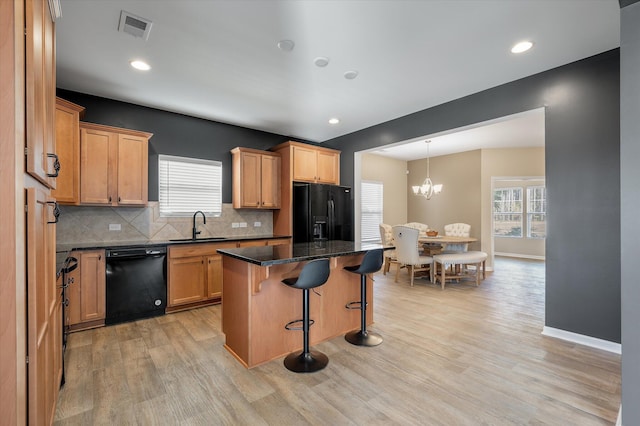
x=197 y=240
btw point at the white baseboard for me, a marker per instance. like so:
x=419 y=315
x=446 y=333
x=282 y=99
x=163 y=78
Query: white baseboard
x=619 y=421
x=521 y=256
x=581 y=339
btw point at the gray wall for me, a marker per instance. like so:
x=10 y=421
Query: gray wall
x=582 y=161
x=175 y=134
x=630 y=205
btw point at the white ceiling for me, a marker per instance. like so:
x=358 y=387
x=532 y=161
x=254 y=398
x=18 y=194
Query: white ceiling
x=219 y=60
x=523 y=130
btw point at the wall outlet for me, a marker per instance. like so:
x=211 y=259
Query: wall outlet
x=257 y=224
x=115 y=227
x=243 y=224
x=235 y=225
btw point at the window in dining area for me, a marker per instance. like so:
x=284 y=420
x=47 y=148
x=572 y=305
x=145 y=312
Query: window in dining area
x=507 y=212
x=371 y=211
x=536 y=212
x=520 y=212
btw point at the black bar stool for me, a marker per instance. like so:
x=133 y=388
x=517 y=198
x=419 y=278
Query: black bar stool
x=314 y=274
x=372 y=262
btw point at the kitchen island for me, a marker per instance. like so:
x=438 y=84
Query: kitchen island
x=256 y=305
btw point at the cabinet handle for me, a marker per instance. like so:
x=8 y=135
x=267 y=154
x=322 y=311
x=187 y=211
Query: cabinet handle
x=56 y=211
x=118 y=199
x=109 y=198
x=99 y=257
x=56 y=165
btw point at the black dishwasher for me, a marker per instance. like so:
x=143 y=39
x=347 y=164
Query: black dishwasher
x=136 y=283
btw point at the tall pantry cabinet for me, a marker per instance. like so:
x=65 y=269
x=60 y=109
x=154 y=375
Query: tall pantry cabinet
x=43 y=299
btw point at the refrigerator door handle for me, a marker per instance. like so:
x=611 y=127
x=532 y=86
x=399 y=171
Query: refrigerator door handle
x=332 y=219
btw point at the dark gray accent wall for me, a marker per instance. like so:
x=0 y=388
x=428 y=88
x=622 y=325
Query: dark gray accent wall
x=175 y=134
x=582 y=161
x=630 y=206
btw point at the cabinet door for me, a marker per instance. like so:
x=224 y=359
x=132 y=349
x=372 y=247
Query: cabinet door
x=214 y=276
x=68 y=149
x=270 y=184
x=92 y=285
x=250 y=179
x=95 y=146
x=72 y=311
x=186 y=280
x=304 y=164
x=328 y=167
x=40 y=91
x=132 y=168
x=42 y=321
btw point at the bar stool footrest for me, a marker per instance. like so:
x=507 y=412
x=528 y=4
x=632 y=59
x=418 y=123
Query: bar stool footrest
x=288 y=325
x=355 y=305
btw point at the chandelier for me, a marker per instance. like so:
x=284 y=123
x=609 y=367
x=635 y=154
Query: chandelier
x=427 y=189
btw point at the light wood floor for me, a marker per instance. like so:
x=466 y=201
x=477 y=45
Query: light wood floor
x=462 y=356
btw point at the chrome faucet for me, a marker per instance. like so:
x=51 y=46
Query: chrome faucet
x=195 y=231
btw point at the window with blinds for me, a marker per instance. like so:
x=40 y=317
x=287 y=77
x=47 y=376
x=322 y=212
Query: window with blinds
x=371 y=211
x=187 y=185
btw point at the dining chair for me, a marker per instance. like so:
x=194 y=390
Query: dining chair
x=386 y=237
x=457 y=230
x=422 y=230
x=406 y=242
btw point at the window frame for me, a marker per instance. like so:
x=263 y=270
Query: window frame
x=534 y=211
x=511 y=211
x=371 y=227
x=193 y=168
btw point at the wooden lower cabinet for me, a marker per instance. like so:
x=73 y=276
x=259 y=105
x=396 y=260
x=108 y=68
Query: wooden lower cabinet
x=87 y=291
x=195 y=272
x=44 y=315
x=194 y=275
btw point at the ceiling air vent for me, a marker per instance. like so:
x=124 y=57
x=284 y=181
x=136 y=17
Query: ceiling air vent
x=134 y=25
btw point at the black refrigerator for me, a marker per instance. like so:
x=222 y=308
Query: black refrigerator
x=321 y=212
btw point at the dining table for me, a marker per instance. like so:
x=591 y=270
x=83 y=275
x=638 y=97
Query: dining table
x=433 y=245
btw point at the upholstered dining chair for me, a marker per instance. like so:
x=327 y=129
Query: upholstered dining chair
x=386 y=237
x=457 y=230
x=406 y=240
x=422 y=229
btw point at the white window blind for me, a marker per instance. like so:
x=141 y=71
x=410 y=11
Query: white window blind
x=371 y=211
x=187 y=185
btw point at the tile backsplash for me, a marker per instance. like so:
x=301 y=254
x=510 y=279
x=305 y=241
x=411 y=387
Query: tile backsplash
x=81 y=224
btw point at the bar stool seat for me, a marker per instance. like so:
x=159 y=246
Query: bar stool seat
x=371 y=262
x=314 y=274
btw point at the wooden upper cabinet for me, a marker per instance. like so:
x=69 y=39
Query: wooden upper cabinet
x=40 y=75
x=132 y=167
x=314 y=164
x=256 y=179
x=68 y=148
x=113 y=166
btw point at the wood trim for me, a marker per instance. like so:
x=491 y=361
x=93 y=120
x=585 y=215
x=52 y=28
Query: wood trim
x=304 y=145
x=110 y=129
x=12 y=262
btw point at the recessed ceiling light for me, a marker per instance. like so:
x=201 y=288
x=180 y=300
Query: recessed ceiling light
x=286 y=45
x=321 y=61
x=140 y=65
x=350 y=75
x=333 y=121
x=523 y=46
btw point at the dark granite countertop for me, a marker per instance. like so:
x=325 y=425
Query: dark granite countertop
x=299 y=252
x=63 y=250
